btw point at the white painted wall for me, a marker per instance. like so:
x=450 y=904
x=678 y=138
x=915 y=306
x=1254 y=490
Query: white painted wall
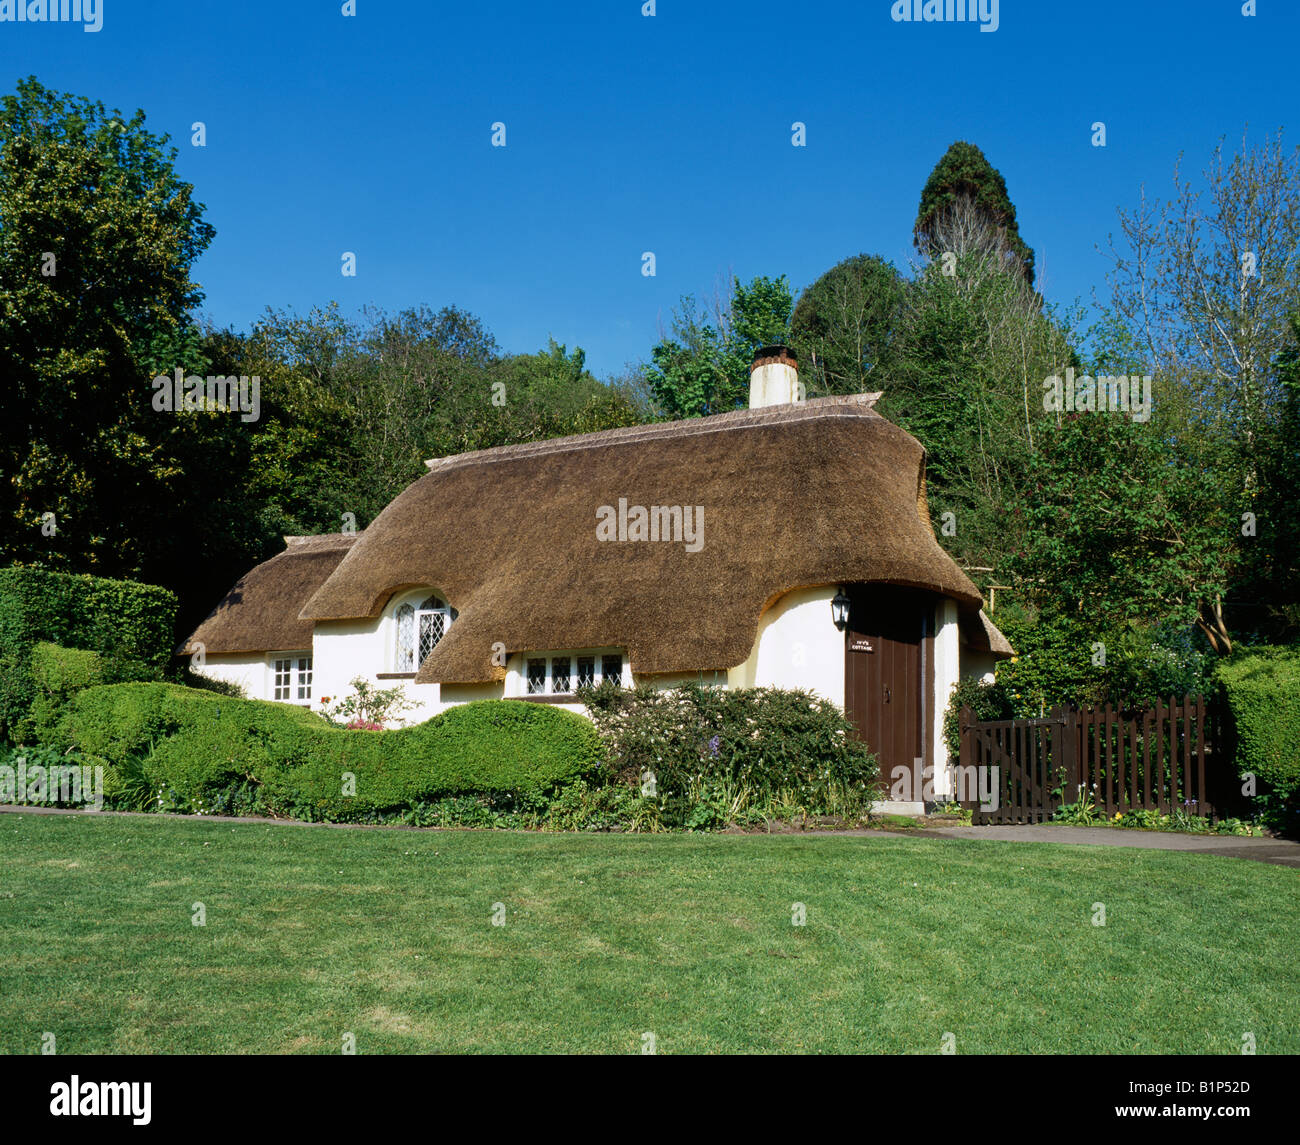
x=978 y=665
x=345 y=649
x=798 y=646
x=247 y=669
x=947 y=670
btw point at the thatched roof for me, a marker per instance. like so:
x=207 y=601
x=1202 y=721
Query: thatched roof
x=980 y=633
x=817 y=493
x=260 y=614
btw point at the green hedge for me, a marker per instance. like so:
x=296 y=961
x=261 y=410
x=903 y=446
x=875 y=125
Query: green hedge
x=58 y=674
x=1260 y=692
x=194 y=745
x=130 y=625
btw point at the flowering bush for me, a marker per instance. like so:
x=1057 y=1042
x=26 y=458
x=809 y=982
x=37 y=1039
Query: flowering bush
x=368 y=708
x=754 y=742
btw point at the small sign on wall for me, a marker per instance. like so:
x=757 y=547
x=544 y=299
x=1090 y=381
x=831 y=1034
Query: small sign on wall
x=860 y=644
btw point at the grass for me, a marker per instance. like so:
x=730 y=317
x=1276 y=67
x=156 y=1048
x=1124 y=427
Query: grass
x=312 y=933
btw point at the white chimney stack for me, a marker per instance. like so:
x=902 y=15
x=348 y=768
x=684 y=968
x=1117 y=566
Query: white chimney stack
x=774 y=377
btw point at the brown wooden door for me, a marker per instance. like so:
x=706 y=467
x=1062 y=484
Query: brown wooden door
x=885 y=672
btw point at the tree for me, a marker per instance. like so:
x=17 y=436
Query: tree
x=701 y=364
x=98 y=238
x=966 y=378
x=966 y=184
x=1119 y=531
x=1203 y=290
x=844 y=326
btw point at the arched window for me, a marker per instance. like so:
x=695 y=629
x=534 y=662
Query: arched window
x=419 y=628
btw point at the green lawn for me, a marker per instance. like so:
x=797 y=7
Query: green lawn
x=314 y=932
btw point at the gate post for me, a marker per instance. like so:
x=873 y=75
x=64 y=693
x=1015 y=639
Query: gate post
x=1067 y=730
x=965 y=757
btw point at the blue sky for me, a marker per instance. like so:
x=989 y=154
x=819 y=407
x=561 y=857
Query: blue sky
x=628 y=133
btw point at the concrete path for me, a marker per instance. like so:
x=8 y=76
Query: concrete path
x=1283 y=852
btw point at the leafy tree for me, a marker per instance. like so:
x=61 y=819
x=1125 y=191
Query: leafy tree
x=701 y=365
x=966 y=378
x=961 y=181
x=1118 y=530
x=353 y=408
x=98 y=238
x=844 y=326
x=1204 y=288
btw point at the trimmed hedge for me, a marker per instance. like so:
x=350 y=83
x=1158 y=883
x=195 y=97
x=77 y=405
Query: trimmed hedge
x=129 y=624
x=58 y=674
x=1260 y=692
x=193 y=745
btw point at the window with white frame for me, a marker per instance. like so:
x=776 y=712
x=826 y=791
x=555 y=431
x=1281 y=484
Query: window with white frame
x=562 y=673
x=420 y=625
x=291 y=679
x=283 y=679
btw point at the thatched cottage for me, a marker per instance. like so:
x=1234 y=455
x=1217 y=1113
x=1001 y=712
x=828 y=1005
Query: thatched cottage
x=787 y=544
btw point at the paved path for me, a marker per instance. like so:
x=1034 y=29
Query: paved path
x=1283 y=852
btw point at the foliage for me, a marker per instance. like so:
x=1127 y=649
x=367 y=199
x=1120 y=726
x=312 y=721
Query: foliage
x=1205 y=287
x=966 y=379
x=1119 y=530
x=129 y=624
x=58 y=674
x=1180 y=820
x=1082 y=812
x=1054 y=663
x=353 y=407
x=191 y=679
x=1259 y=690
x=964 y=180
x=760 y=741
x=843 y=328
x=369 y=707
x=198 y=746
x=98 y=238
x=46 y=759
x=989 y=701
x=701 y=365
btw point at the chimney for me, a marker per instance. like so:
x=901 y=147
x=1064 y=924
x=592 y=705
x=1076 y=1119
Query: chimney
x=773 y=377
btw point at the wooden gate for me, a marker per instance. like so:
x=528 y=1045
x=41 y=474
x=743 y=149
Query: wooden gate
x=1159 y=759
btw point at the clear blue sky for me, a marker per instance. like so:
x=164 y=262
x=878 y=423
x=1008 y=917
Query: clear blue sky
x=627 y=133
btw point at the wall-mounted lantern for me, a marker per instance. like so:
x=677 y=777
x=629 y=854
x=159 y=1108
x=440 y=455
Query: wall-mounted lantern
x=840 y=609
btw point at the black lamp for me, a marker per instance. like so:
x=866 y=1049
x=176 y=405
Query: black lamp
x=840 y=609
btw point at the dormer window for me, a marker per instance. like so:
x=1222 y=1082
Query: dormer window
x=420 y=625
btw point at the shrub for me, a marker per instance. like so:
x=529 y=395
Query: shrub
x=986 y=701
x=201 y=746
x=57 y=674
x=129 y=624
x=748 y=743
x=193 y=679
x=1259 y=693
x=56 y=787
x=370 y=707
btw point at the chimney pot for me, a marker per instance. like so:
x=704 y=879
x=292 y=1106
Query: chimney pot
x=773 y=377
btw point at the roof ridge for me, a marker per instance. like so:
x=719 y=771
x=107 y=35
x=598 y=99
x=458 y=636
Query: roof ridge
x=835 y=405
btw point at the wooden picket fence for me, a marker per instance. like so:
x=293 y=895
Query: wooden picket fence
x=1158 y=759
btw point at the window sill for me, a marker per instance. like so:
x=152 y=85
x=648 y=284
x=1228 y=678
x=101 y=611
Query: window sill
x=394 y=675
x=550 y=698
